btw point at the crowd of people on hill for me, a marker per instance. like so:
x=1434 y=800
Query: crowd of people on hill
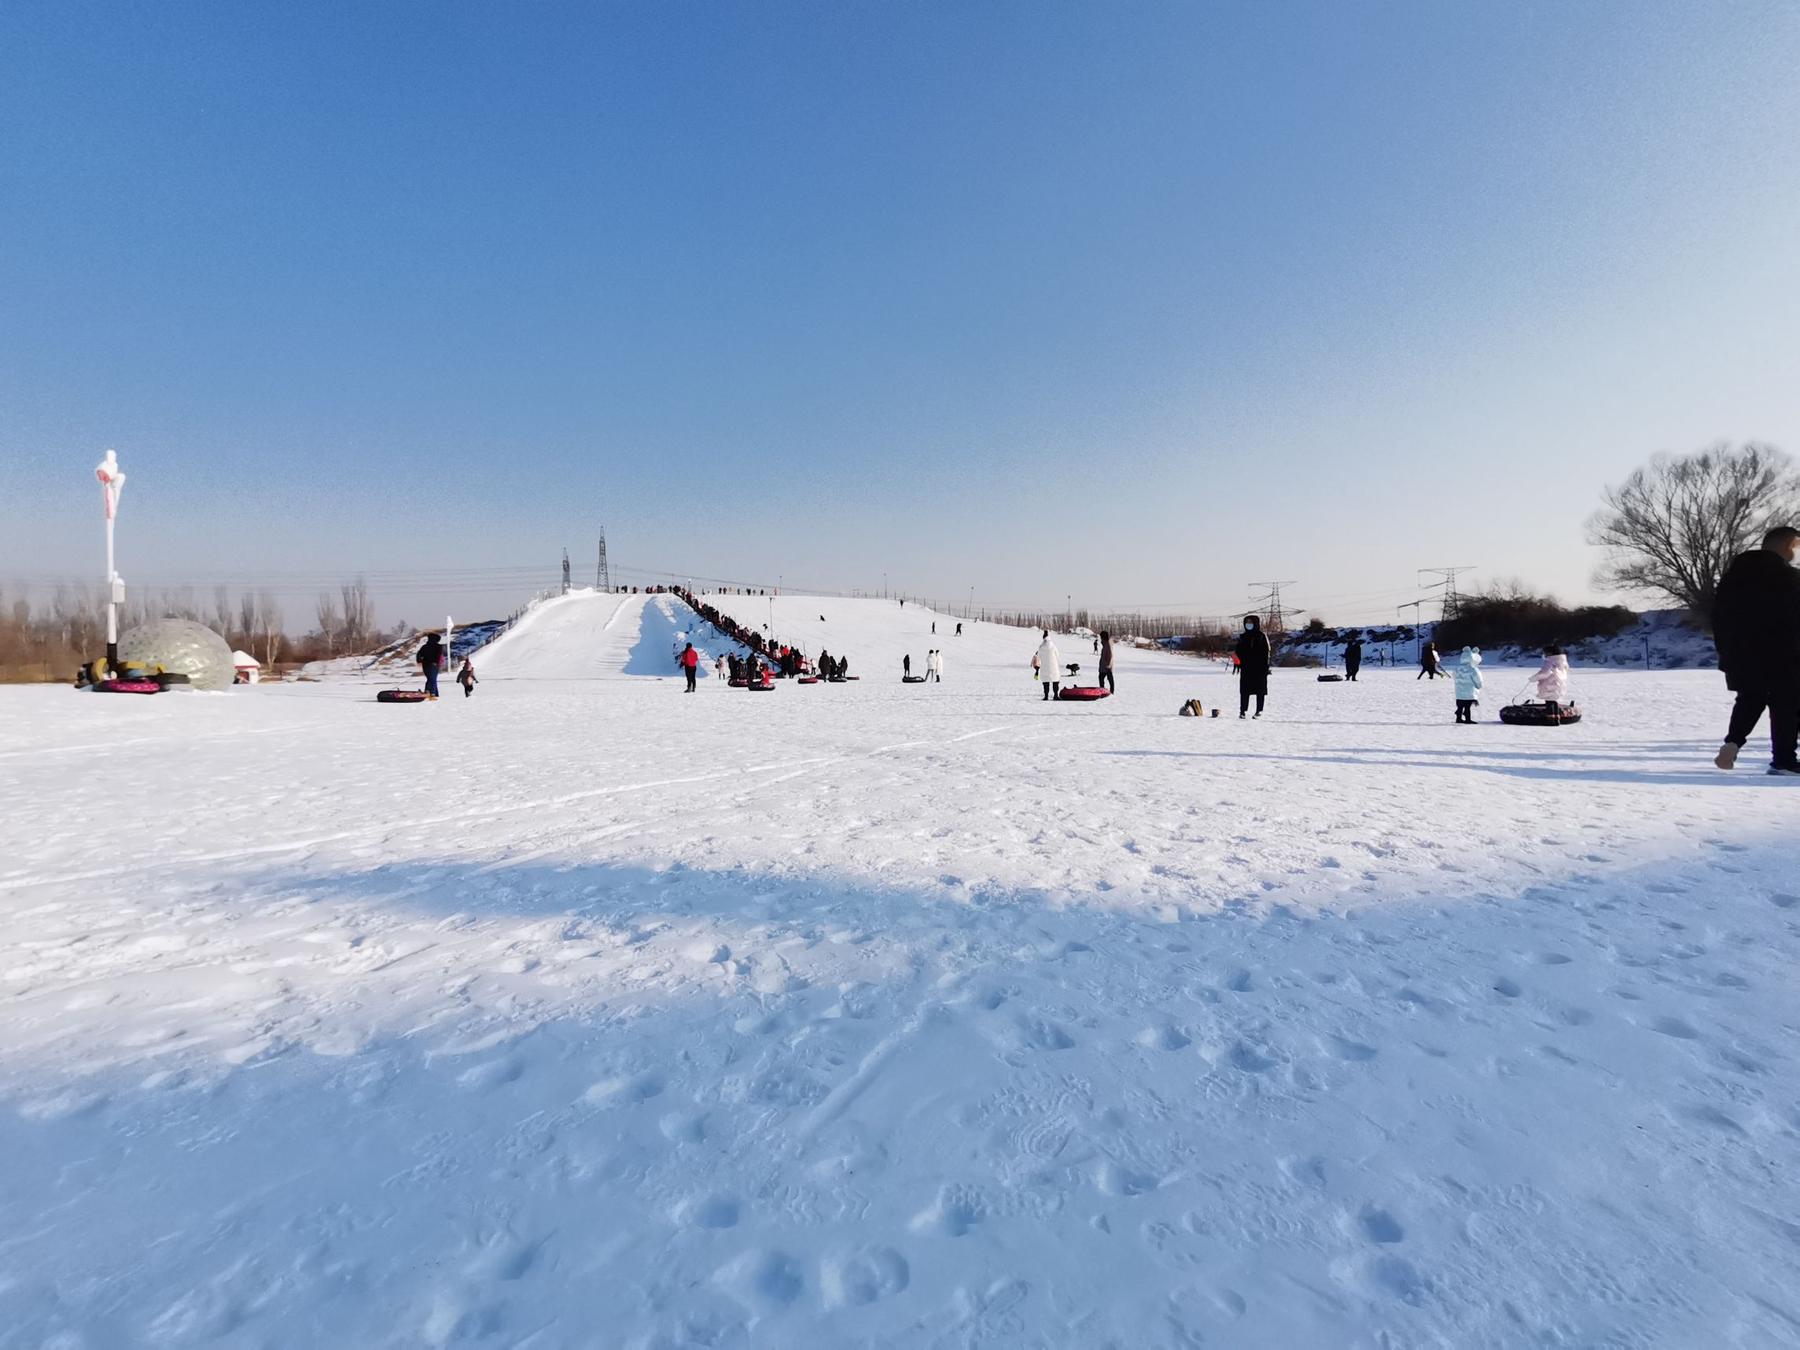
x=766 y=651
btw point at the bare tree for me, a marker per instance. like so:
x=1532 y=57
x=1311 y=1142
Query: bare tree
x=248 y=627
x=221 y=616
x=329 y=623
x=1673 y=526
x=268 y=615
x=359 y=614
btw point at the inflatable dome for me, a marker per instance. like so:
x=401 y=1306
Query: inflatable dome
x=180 y=647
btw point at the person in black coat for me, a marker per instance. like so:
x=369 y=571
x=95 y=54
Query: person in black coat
x=1428 y=662
x=431 y=660
x=1756 y=627
x=1352 y=657
x=1254 y=658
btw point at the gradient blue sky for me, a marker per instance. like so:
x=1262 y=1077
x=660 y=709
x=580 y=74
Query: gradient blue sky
x=1138 y=302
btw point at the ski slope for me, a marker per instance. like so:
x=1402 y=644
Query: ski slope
x=585 y=1012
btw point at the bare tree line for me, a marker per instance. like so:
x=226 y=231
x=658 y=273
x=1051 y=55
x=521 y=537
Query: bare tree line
x=55 y=633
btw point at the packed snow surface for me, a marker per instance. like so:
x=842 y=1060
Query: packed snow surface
x=587 y=1012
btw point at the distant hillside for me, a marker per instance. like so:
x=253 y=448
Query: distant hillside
x=1665 y=639
x=396 y=659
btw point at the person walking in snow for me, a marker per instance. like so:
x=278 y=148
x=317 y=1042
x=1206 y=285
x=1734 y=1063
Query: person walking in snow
x=1553 y=678
x=690 y=666
x=1106 y=663
x=1468 y=684
x=1048 y=666
x=959 y=630
x=1428 y=663
x=906 y=666
x=935 y=665
x=431 y=660
x=466 y=677
x=1254 y=658
x=1756 y=627
x=719 y=667
x=1352 y=658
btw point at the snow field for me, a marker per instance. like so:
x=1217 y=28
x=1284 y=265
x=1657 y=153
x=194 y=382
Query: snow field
x=588 y=1013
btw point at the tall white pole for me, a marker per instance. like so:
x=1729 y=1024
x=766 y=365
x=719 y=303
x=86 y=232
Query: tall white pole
x=112 y=483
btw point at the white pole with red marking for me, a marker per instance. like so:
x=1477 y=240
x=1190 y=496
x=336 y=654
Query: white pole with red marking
x=112 y=483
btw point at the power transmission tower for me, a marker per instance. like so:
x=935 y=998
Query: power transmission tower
x=565 y=589
x=602 y=578
x=1447 y=585
x=1266 y=596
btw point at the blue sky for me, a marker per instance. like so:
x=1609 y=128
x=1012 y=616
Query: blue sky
x=1138 y=303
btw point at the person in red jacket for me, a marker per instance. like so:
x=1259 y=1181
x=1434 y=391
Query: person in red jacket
x=690 y=665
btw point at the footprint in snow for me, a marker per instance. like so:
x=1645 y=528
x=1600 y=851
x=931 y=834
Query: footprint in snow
x=708 y=1211
x=862 y=1276
x=1379 y=1226
x=1674 y=1026
x=626 y=1090
x=1352 y=1051
x=1162 y=1037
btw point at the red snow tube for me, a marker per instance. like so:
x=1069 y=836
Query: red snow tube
x=738 y=683
x=760 y=688
x=128 y=687
x=1083 y=693
x=400 y=696
x=807 y=679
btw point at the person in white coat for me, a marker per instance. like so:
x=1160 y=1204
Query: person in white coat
x=935 y=665
x=1468 y=684
x=1553 y=678
x=1048 y=665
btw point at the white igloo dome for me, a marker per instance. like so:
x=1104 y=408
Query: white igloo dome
x=180 y=647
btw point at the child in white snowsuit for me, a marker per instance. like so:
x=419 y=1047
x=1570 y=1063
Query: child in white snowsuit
x=1468 y=684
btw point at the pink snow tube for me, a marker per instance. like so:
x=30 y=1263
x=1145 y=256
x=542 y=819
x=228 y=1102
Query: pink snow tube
x=128 y=687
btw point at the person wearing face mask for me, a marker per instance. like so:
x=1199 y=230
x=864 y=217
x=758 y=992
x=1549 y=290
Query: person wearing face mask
x=1254 y=659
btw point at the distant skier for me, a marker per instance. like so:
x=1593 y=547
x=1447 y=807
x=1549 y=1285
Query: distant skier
x=934 y=628
x=431 y=660
x=1553 y=678
x=1047 y=664
x=466 y=677
x=1254 y=657
x=1468 y=684
x=1352 y=657
x=1428 y=663
x=1756 y=625
x=690 y=666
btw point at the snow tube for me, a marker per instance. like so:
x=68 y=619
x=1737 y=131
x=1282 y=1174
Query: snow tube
x=807 y=679
x=128 y=687
x=912 y=679
x=1083 y=693
x=1539 y=715
x=738 y=683
x=400 y=696
x=1331 y=679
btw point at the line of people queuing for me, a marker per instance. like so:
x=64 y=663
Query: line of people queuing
x=766 y=652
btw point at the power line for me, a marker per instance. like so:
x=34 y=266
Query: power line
x=1268 y=599
x=1447 y=585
